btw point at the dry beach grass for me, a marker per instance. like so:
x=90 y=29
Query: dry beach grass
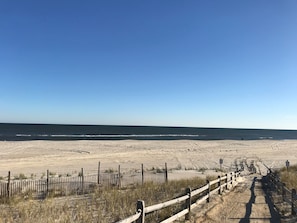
x=105 y=205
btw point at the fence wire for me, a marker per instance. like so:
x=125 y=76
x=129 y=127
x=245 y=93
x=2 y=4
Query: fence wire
x=80 y=184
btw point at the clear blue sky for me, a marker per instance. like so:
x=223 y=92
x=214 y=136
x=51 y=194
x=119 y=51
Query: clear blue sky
x=199 y=63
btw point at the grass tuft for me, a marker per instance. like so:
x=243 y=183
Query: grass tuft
x=289 y=177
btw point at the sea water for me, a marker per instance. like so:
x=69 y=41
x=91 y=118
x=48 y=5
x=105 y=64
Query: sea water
x=13 y=131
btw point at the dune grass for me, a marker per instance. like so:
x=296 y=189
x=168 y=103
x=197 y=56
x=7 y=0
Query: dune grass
x=105 y=205
x=289 y=177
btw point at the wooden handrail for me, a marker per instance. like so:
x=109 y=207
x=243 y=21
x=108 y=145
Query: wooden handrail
x=214 y=182
x=214 y=191
x=200 y=190
x=201 y=200
x=176 y=216
x=160 y=206
x=224 y=178
x=131 y=218
x=156 y=207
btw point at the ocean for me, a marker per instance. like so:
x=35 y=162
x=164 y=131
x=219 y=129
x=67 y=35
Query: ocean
x=19 y=132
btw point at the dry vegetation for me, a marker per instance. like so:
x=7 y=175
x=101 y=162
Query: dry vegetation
x=105 y=205
x=289 y=177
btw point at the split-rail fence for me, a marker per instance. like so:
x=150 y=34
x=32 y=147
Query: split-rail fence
x=191 y=199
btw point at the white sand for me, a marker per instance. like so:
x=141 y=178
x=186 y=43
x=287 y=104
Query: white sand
x=69 y=156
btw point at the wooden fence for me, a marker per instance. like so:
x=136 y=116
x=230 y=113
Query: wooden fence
x=54 y=185
x=191 y=199
x=287 y=196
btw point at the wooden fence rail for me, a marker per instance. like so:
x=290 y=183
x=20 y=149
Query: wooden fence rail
x=206 y=191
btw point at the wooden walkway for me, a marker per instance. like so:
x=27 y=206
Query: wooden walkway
x=248 y=203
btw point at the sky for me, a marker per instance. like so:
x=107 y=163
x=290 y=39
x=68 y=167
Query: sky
x=200 y=63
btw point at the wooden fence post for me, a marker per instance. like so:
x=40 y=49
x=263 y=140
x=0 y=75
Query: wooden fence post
x=226 y=181
x=119 y=182
x=188 y=203
x=47 y=182
x=140 y=206
x=8 y=184
x=293 y=201
x=208 y=191
x=82 y=180
x=219 y=185
x=142 y=174
x=98 y=178
x=166 y=173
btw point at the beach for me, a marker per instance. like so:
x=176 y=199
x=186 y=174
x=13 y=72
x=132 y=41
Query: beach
x=62 y=157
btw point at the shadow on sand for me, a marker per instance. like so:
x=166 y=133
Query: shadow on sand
x=275 y=217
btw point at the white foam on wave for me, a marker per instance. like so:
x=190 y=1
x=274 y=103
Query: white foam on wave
x=23 y=135
x=265 y=137
x=124 y=135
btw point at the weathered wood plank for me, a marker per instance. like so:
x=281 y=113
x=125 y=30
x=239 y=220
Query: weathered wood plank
x=214 y=191
x=165 y=204
x=214 y=182
x=130 y=219
x=176 y=216
x=200 y=190
x=202 y=199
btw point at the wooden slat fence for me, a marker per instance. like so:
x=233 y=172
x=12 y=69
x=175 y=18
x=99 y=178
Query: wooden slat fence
x=57 y=186
x=79 y=184
x=204 y=193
